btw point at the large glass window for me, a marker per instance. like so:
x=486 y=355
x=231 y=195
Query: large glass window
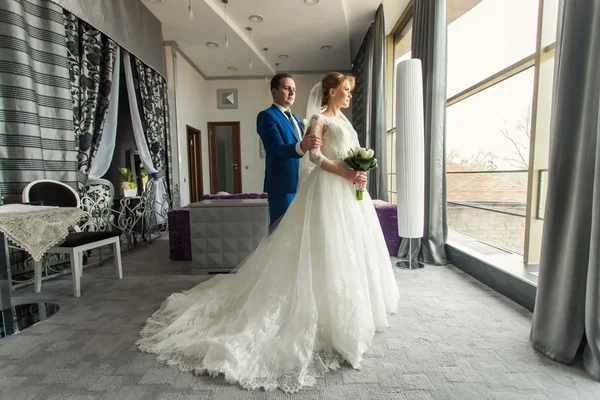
x=488 y=137
x=491 y=52
x=491 y=129
x=544 y=65
x=402 y=43
x=402 y=51
x=489 y=38
x=499 y=90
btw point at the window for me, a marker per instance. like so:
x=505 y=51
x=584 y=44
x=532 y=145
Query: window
x=491 y=56
x=402 y=43
x=491 y=129
x=543 y=113
x=402 y=51
x=489 y=38
x=488 y=137
x=499 y=88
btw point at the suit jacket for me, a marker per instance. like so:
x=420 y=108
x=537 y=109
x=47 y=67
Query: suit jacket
x=279 y=138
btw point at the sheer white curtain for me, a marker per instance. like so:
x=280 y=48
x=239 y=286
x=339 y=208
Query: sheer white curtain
x=106 y=148
x=140 y=139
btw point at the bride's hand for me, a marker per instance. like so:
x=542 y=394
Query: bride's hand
x=357 y=177
x=362 y=179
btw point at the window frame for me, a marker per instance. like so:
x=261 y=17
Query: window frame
x=535 y=60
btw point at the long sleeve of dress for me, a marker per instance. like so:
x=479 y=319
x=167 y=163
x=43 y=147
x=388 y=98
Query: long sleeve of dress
x=317 y=128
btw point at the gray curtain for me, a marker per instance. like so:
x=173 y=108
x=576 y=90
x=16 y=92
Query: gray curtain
x=129 y=23
x=154 y=108
x=429 y=44
x=368 y=108
x=91 y=56
x=567 y=312
x=36 y=116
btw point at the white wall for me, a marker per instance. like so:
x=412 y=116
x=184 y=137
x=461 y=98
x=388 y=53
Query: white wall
x=191 y=110
x=253 y=97
x=197 y=105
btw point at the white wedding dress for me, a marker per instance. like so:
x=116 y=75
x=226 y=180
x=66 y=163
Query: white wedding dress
x=311 y=296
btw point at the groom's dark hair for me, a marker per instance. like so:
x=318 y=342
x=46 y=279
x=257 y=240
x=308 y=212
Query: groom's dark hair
x=276 y=81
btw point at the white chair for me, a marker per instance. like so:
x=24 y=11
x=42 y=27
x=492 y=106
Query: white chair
x=55 y=193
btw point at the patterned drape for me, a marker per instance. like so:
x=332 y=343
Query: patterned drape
x=358 y=95
x=36 y=127
x=91 y=57
x=152 y=92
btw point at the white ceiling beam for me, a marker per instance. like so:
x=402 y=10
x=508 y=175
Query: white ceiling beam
x=218 y=7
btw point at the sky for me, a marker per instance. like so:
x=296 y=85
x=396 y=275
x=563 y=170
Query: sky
x=490 y=37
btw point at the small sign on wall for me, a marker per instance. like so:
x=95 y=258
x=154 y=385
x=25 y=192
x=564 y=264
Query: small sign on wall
x=227 y=99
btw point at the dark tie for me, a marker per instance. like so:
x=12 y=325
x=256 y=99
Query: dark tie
x=288 y=113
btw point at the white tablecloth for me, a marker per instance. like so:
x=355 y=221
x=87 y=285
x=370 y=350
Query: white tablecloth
x=36 y=229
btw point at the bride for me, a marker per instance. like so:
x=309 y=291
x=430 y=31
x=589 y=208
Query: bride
x=311 y=296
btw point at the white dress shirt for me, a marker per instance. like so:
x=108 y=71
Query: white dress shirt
x=295 y=123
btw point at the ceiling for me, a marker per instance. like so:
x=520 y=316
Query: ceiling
x=290 y=27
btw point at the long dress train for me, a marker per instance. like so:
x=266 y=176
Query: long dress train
x=311 y=296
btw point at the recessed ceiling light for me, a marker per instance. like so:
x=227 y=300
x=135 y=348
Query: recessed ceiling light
x=311 y=2
x=256 y=18
x=326 y=48
x=212 y=45
x=154 y=1
x=232 y=69
x=283 y=56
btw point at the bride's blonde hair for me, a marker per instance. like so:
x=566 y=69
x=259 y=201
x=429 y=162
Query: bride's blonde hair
x=334 y=80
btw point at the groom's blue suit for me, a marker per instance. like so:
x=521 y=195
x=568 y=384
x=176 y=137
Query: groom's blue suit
x=279 y=137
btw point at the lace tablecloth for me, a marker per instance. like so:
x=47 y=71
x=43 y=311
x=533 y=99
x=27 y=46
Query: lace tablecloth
x=36 y=229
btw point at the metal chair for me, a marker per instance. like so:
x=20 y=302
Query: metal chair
x=55 y=193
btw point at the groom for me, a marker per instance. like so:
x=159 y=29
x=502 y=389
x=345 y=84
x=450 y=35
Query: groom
x=283 y=137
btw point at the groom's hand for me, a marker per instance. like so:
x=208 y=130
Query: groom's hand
x=310 y=142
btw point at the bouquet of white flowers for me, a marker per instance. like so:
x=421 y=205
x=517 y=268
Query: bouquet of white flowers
x=361 y=159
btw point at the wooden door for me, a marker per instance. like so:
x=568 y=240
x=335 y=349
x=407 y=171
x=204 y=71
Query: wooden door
x=194 y=144
x=225 y=157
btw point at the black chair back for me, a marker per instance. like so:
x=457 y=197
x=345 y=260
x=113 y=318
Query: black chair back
x=53 y=194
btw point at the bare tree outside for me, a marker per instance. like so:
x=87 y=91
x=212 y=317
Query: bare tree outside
x=520 y=138
x=481 y=161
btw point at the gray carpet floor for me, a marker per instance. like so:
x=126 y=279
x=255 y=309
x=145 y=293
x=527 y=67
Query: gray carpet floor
x=453 y=338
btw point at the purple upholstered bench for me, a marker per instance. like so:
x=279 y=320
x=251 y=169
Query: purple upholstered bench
x=179 y=225
x=180 y=245
x=388 y=219
x=235 y=196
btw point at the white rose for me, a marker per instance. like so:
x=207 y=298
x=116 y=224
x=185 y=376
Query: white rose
x=362 y=153
x=370 y=153
x=350 y=153
x=305 y=122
